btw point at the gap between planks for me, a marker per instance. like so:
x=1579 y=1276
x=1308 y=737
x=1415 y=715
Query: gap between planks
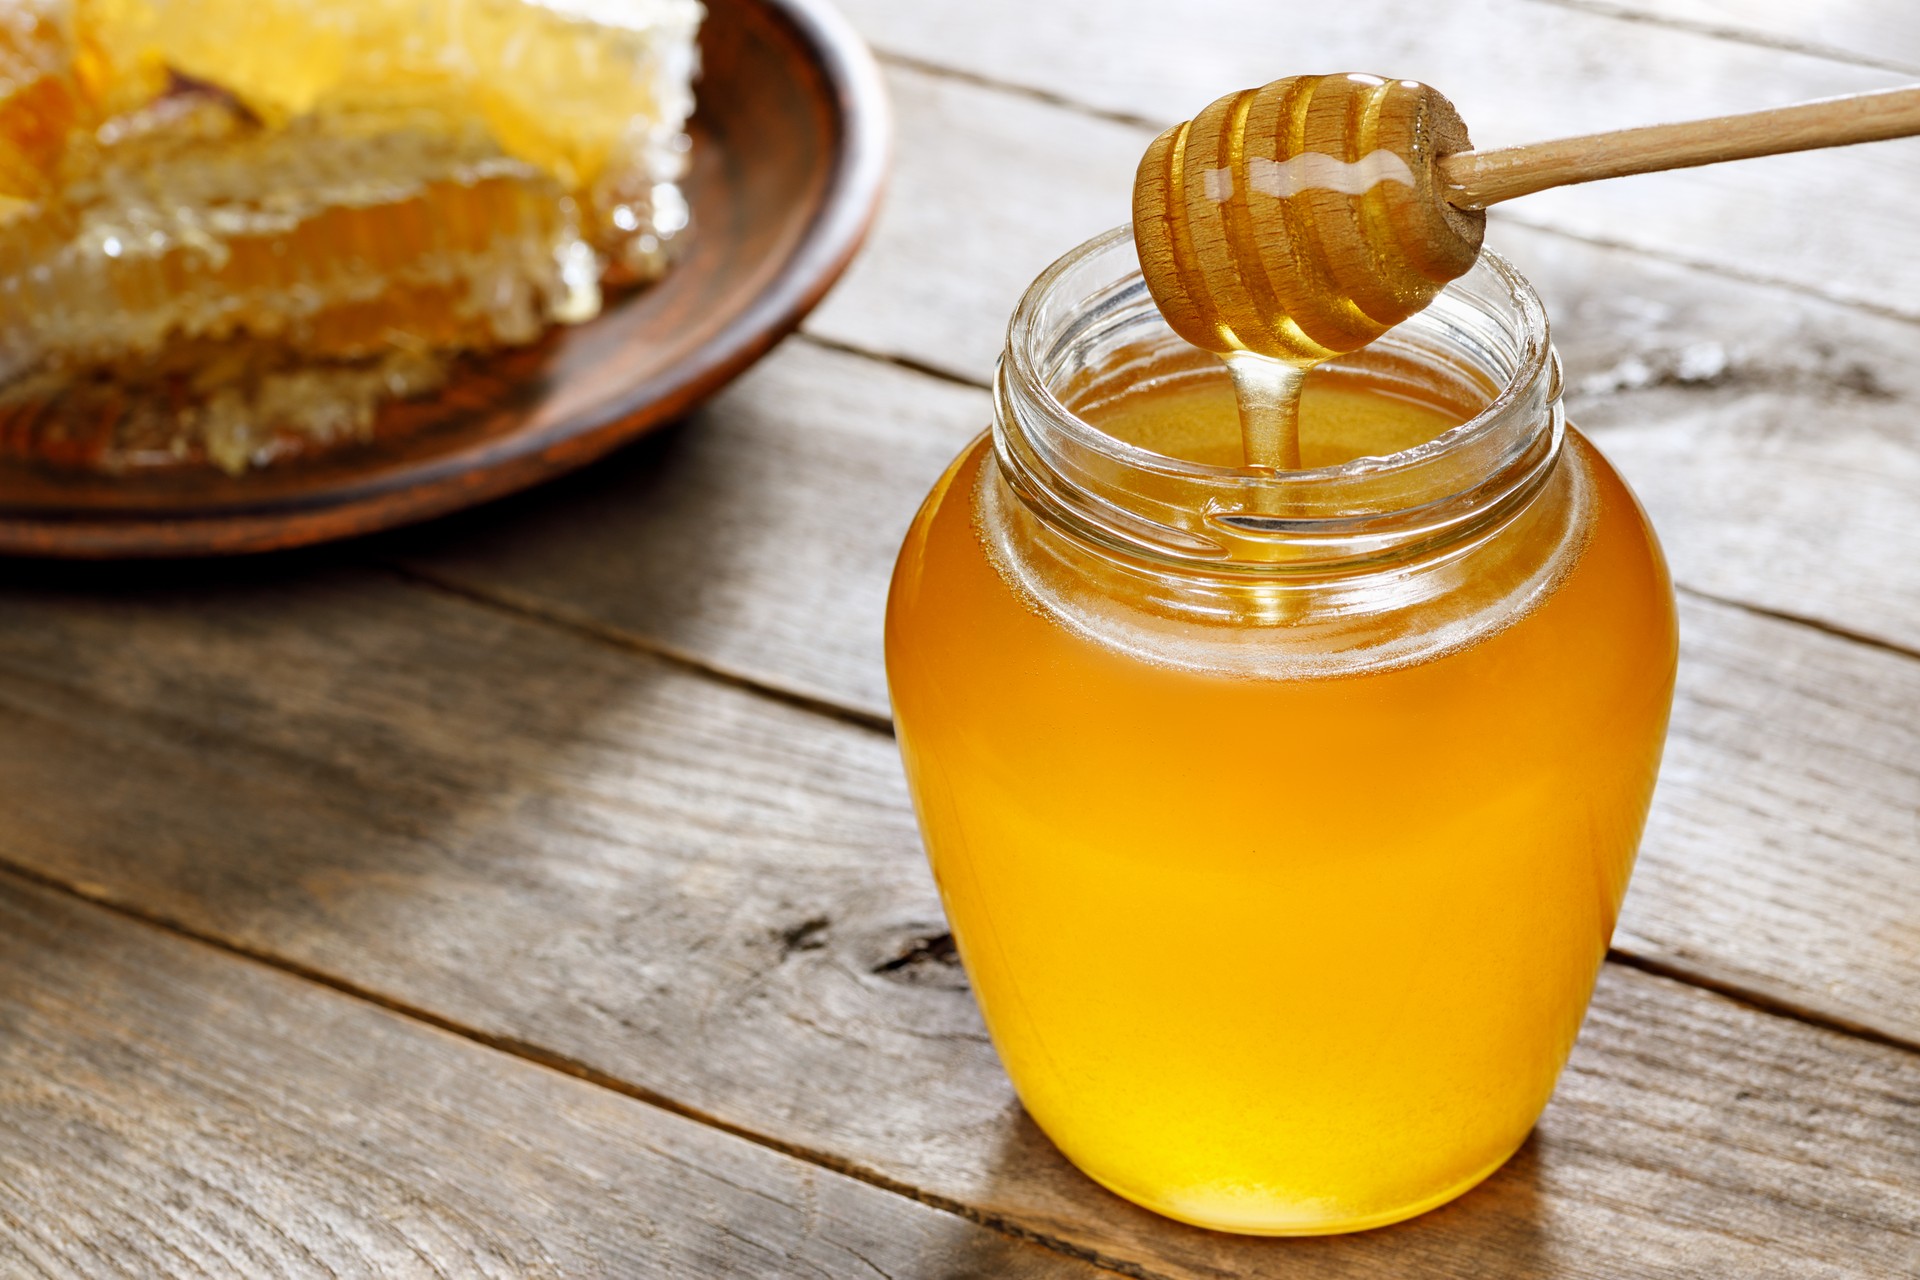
x=1737 y=35
x=526 y=1051
x=1759 y=1003
x=606 y=634
x=603 y=633
x=1064 y=102
x=1725 y=271
x=534 y=1054
x=532 y=1051
x=1798 y=620
x=908 y=62
x=537 y=1055
x=612 y=637
x=911 y=365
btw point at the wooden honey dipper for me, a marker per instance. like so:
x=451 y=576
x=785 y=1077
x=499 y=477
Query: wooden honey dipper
x=1301 y=220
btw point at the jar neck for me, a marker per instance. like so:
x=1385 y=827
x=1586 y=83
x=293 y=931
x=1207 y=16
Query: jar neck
x=1482 y=346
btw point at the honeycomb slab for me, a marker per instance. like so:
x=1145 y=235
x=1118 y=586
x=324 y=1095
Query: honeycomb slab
x=363 y=185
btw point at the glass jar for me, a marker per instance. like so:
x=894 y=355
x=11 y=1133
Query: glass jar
x=1281 y=818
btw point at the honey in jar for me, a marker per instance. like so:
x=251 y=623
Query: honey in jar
x=1282 y=818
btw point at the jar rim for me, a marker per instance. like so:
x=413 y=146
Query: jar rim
x=1136 y=501
x=1534 y=331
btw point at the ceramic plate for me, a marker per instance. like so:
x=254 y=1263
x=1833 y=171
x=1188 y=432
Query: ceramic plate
x=790 y=146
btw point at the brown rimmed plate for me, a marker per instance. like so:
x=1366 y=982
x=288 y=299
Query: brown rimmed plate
x=790 y=143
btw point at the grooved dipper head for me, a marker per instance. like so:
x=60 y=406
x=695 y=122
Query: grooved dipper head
x=1304 y=219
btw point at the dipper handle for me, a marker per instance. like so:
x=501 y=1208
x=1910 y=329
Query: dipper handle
x=1476 y=179
x=1305 y=218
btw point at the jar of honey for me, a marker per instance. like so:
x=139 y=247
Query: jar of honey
x=1281 y=817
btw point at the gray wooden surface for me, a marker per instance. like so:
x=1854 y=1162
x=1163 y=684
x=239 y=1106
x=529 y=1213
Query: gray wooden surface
x=535 y=893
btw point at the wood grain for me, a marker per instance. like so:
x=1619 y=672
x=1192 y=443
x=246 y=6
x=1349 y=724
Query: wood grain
x=1786 y=830
x=173 y=1111
x=1772 y=434
x=612 y=863
x=757 y=541
x=1482 y=178
x=963 y=151
x=1811 y=404
x=1874 y=34
x=720 y=898
x=1775 y=439
x=1512 y=67
x=1791 y=782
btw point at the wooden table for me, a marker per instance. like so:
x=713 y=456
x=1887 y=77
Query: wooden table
x=536 y=893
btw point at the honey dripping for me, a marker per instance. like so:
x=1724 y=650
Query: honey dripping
x=1338 y=889
x=1287 y=225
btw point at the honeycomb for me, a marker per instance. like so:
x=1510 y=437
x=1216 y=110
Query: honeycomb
x=570 y=86
x=44 y=95
x=352 y=184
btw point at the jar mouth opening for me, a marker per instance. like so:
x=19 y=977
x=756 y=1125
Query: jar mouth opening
x=1026 y=347
x=1482 y=347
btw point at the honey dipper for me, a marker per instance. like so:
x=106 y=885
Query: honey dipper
x=1301 y=220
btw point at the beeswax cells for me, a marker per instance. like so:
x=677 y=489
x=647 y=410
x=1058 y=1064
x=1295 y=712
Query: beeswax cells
x=353 y=183
x=570 y=86
x=204 y=224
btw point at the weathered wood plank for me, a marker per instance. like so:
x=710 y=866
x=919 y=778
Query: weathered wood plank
x=986 y=190
x=1877 y=33
x=1739 y=468
x=1780 y=473
x=174 y=1111
x=705 y=893
x=1791 y=783
x=1773 y=436
x=1776 y=438
x=758 y=540
x=1519 y=71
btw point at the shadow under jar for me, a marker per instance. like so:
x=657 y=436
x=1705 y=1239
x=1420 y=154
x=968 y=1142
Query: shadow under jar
x=1282 y=818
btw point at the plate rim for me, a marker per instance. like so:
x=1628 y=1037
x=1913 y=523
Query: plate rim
x=849 y=201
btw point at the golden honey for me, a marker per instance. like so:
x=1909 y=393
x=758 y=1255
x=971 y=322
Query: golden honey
x=1292 y=223
x=1197 y=418
x=570 y=86
x=352 y=184
x=1281 y=864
